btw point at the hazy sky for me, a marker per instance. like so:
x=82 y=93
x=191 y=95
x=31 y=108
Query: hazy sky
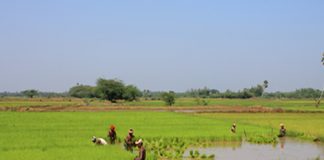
x=161 y=45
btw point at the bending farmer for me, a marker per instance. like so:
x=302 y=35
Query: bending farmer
x=112 y=134
x=142 y=152
x=282 y=131
x=129 y=140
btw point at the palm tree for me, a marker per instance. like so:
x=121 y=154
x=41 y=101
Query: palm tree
x=265 y=85
x=319 y=100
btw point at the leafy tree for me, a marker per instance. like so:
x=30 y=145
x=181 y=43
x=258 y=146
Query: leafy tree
x=306 y=93
x=245 y=94
x=147 y=94
x=204 y=92
x=257 y=91
x=82 y=91
x=110 y=89
x=131 y=93
x=229 y=94
x=214 y=91
x=168 y=98
x=30 y=93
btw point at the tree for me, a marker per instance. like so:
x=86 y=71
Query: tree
x=319 y=99
x=131 y=93
x=257 y=91
x=147 y=94
x=168 y=98
x=265 y=85
x=323 y=58
x=82 y=91
x=110 y=89
x=245 y=94
x=204 y=92
x=30 y=93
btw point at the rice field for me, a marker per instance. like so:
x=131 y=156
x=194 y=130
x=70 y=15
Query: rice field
x=302 y=125
x=67 y=135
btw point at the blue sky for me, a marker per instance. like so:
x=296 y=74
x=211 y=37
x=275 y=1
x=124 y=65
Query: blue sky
x=162 y=45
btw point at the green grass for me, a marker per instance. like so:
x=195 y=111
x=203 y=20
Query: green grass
x=66 y=135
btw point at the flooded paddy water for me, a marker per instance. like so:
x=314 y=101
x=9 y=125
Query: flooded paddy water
x=286 y=149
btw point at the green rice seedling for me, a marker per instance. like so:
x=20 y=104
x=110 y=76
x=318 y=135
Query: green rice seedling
x=166 y=135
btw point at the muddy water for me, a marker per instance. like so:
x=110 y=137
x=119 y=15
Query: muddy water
x=286 y=149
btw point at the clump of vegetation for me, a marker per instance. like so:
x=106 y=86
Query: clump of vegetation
x=31 y=93
x=168 y=98
x=170 y=148
x=196 y=155
x=87 y=101
x=260 y=139
x=174 y=148
x=246 y=93
x=108 y=89
x=131 y=93
x=82 y=91
x=202 y=101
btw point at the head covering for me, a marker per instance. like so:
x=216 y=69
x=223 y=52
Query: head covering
x=112 y=127
x=281 y=124
x=131 y=131
x=140 y=141
x=94 y=139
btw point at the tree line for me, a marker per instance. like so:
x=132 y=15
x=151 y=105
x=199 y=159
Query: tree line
x=114 y=89
x=31 y=93
x=255 y=91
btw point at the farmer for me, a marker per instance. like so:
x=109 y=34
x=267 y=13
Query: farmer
x=282 y=131
x=129 y=140
x=98 y=141
x=233 y=129
x=112 y=134
x=142 y=152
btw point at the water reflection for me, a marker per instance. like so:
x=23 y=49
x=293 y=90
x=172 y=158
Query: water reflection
x=286 y=149
x=282 y=142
